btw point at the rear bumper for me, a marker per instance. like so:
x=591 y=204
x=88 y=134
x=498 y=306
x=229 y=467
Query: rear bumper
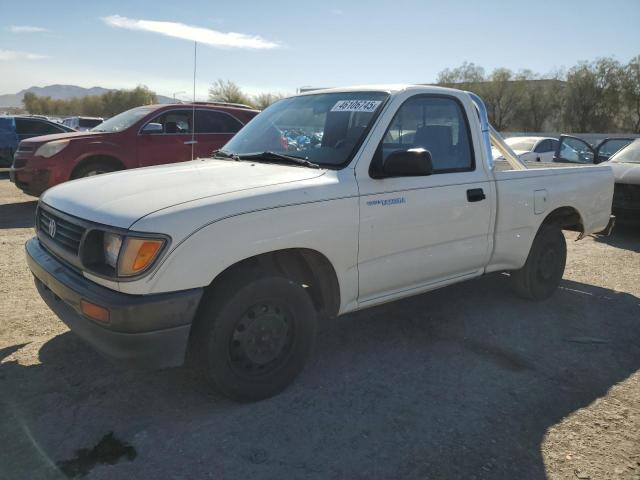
x=146 y=331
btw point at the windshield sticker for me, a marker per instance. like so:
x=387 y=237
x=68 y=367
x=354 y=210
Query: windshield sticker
x=368 y=106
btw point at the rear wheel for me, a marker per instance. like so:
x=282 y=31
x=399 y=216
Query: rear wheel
x=542 y=273
x=254 y=337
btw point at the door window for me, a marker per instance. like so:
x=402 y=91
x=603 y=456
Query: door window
x=216 y=122
x=611 y=146
x=575 y=150
x=544 y=146
x=175 y=122
x=436 y=124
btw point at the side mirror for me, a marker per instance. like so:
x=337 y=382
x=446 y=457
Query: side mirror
x=414 y=162
x=151 y=128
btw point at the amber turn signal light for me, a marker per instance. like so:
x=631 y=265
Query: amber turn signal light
x=138 y=254
x=96 y=312
x=146 y=253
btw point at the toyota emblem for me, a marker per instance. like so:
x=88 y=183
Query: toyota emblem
x=52 y=228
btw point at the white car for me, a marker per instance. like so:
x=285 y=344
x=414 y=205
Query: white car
x=531 y=149
x=626 y=170
x=236 y=259
x=82 y=124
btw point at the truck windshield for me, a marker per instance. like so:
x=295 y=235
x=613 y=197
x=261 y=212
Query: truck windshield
x=324 y=128
x=123 y=120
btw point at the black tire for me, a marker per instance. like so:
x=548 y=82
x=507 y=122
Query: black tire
x=540 y=276
x=253 y=336
x=94 y=168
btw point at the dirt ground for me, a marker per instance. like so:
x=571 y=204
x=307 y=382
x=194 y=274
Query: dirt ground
x=465 y=382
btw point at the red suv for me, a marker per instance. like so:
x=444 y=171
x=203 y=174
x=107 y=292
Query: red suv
x=140 y=137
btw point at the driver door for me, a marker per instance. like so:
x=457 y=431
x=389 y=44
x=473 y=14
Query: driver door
x=421 y=230
x=171 y=145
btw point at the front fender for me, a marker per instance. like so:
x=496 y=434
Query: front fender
x=329 y=227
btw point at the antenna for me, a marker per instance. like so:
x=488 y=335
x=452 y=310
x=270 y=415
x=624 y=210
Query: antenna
x=193 y=104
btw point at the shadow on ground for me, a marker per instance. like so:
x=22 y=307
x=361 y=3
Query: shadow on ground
x=458 y=383
x=625 y=235
x=17 y=215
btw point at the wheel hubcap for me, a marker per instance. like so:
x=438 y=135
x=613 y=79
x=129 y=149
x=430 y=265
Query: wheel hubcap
x=261 y=340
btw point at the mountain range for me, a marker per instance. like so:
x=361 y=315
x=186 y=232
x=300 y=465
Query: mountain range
x=60 y=92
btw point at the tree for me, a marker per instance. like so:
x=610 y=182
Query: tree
x=227 y=91
x=630 y=91
x=502 y=95
x=465 y=73
x=540 y=103
x=116 y=101
x=592 y=96
x=263 y=100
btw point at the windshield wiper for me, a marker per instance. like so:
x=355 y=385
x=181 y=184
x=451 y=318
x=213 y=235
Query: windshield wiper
x=224 y=154
x=278 y=157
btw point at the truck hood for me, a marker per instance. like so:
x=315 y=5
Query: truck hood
x=120 y=199
x=625 y=172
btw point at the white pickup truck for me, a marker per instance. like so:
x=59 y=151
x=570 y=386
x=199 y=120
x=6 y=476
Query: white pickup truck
x=325 y=203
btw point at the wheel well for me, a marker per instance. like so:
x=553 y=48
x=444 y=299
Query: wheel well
x=106 y=159
x=567 y=218
x=306 y=267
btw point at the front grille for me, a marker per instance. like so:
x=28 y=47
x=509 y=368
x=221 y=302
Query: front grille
x=25 y=148
x=19 y=162
x=66 y=234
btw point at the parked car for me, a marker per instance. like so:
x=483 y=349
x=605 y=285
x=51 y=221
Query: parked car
x=140 y=137
x=532 y=149
x=14 y=129
x=237 y=258
x=82 y=124
x=626 y=170
x=575 y=150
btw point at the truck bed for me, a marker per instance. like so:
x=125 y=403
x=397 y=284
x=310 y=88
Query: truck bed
x=503 y=165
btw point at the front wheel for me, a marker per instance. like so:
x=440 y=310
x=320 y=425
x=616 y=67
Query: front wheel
x=541 y=274
x=94 y=168
x=254 y=337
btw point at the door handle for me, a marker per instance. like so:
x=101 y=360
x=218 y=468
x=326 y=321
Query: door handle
x=190 y=142
x=475 y=195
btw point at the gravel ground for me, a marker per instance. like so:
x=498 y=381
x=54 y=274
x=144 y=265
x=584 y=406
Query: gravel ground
x=465 y=382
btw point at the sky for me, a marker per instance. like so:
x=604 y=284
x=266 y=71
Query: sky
x=282 y=45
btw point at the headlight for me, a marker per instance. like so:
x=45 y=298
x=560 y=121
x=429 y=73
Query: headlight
x=112 y=245
x=50 y=149
x=130 y=256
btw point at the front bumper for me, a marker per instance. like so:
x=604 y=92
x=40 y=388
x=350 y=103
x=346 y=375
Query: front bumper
x=30 y=181
x=147 y=331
